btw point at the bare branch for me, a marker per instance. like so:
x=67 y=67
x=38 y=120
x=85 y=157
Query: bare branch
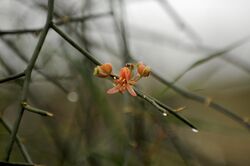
x=29 y=108
x=153 y=101
x=59 y=22
x=203 y=100
x=181 y=24
x=17 y=164
x=164 y=109
x=25 y=59
x=27 y=79
x=12 y=77
x=75 y=45
x=212 y=56
x=18 y=141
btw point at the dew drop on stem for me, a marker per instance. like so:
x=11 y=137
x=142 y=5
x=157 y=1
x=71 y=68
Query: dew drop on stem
x=164 y=114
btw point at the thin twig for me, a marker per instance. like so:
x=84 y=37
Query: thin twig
x=184 y=93
x=24 y=59
x=7 y=67
x=119 y=26
x=193 y=35
x=19 y=31
x=60 y=22
x=164 y=109
x=159 y=39
x=12 y=77
x=27 y=79
x=127 y=55
x=20 y=145
x=17 y=164
x=210 y=57
x=29 y=108
x=202 y=100
x=75 y=45
x=182 y=25
x=67 y=19
x=161 y=106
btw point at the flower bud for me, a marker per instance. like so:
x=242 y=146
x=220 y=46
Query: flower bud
x=103 y=71
x=130 y=66
x=143 y=70
x=106 y=68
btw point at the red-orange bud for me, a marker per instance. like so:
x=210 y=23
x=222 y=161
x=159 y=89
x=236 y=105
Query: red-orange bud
x=143 y=70
x=106 y=68
x=103 y=71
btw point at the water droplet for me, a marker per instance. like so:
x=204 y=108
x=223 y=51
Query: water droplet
x=73 y=97
x=164 y=114
x=195 y=130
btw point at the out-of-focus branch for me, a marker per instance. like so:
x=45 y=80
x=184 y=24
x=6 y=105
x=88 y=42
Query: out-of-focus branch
x=20 y=145
x=191 y=33
x=120 y=28
x=64 y=20
x=75 y=45
x=158 y=39
x=19 y=31
x=29 y=108
x=203 y=100
x=8 y=69
x=67 y=19
x=27 y=79
x=12 y=77
x=24 y=59
x=17 y=164
x=181 y=24
x=210 y=57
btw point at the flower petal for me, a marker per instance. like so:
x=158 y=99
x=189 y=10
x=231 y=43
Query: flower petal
x=131 y=90
x=125 y=73
x=113 y=90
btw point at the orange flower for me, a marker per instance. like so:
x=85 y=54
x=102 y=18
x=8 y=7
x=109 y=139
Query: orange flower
x=103 y=71
x=127 y=77
x=124 y=82
x=143 y=70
